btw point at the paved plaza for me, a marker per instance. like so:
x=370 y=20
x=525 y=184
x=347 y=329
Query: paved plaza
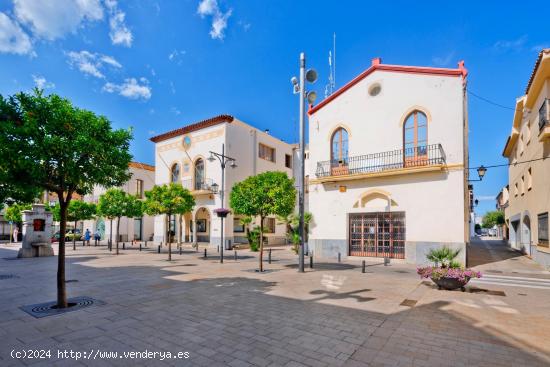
x=229 y=315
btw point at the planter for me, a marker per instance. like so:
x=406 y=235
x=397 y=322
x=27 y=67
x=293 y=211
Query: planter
x=451 y=283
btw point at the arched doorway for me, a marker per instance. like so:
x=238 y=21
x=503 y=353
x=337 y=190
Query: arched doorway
x=100 y=227
x=187 y=234
x=526 y=235
x=202 y=219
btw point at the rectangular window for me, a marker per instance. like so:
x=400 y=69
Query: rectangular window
x=522 y=187
x=543 y=228
x=139 y=189
x=266 y=153
x=516 y=189
x=529 y=179
x=238 y=227
x=544 y=114
x=269 y=225
x=288 y=161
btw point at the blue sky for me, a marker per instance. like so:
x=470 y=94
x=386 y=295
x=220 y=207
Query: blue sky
x=157 y=65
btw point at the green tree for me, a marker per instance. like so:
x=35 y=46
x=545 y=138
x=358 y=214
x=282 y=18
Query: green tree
x=268 y=193
x=168 y=200
x=293 y=228
x=493 y=218
x=13 y=215
x=46 y=143
x=78 y=210
x=115 y=204
x=246 y=221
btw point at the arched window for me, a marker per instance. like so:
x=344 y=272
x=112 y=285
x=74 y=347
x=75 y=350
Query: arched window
x=415 y=136
x=199 y=174
x=175 y=173
x=339 y=147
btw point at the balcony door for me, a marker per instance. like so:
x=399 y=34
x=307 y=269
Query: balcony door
x=415 y=140
x=199 y=174
x=339 y=152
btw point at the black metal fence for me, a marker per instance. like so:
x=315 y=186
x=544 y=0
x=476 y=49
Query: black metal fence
x=204 y=184
x=426 y=155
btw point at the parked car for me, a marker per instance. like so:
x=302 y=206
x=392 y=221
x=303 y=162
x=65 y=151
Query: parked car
x=68 y=235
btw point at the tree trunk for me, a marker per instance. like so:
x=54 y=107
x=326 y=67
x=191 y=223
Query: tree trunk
x=180 y=230
x=74 y=236
x=169 y=238
x=111 y=236
x=261 y=243
x=61 y=290
x=117 y=236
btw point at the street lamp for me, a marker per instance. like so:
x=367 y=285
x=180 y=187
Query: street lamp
x=298 y=87
x=221 y=212
x=481 y=171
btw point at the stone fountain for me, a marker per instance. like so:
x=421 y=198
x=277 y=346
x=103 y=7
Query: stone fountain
x=37 y=228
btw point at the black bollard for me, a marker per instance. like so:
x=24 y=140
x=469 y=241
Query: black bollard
x=269 y=257
x=181 y=250
x=363 y=269
x=205 y=255
x=311 y=262
x=235 y=255
x=140 y=247
x=124 y=245
x=145 y=243
x=95 y=242
x=218 y=249
x=159 y=249
x=339 y=257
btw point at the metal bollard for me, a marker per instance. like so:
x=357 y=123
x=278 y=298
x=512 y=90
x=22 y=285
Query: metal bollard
x=386 y=261
x=339 y=257
x=124 y=245
x=218 y=249
x=95 y=242
x=311 y=262
x=180 y=250
x=269 y=257
x=235 y=255
x=159 y=249
x=205 y=255
x=140 y=247
x=145 y=243
x=363 y=269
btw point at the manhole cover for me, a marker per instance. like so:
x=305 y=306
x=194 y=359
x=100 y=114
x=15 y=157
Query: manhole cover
x=50 y=308
x=408 y=303
x=7 y=276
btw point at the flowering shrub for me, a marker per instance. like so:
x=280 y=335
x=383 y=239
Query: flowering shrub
x=434 y=272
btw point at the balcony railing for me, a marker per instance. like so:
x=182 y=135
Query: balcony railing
x=421 y=156
x=192 y=185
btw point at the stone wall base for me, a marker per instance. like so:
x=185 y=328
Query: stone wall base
x=36 y=251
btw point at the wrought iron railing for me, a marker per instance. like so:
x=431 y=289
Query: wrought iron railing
x=192 y=185
x=426 y=155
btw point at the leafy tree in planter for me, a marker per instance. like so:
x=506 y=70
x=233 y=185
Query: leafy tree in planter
x=268 y=193
x=115 y=204
x=78 y=210
x=168 y=200
x=46 y=143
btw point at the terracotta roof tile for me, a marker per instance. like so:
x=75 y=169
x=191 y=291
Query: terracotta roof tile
x=193 y=127
x=535 y=68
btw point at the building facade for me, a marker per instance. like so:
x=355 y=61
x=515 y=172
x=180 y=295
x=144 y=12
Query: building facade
x=387 y=157
x=141 y=229
x=181 y=156
x=528 y=150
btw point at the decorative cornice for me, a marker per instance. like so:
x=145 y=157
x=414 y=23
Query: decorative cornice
x=193 y=127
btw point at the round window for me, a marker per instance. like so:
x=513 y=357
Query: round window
x=375 y=90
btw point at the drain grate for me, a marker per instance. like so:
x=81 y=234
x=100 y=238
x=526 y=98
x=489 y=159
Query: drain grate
x=50 y=308
x=8 y=276
x=408 y=303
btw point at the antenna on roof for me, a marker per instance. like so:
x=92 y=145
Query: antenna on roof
x=329 y=88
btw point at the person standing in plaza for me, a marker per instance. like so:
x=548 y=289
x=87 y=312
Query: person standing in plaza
x=87 y=236
x=15 y=234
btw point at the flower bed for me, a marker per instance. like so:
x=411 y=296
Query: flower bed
x=448 y=278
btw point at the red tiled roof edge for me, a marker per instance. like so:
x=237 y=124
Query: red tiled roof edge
x=535 y=68
x=142 y=166
x=193 y=127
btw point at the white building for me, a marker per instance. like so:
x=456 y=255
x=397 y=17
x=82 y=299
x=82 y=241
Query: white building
x=387 y=156
x=142 y=179
x=181 y=155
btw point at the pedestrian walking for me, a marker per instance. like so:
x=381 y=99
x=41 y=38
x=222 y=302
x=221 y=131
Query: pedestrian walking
x=87 y=236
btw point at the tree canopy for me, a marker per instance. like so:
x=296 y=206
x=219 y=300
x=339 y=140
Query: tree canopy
x=46 y=143
x=490 y=219
x=268 y=193
x=13 y=213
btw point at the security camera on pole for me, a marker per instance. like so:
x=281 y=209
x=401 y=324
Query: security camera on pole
x=299 y=88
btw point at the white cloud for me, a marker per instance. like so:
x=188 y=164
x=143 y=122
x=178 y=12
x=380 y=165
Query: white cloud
x=120 y=33
x=176 y=56
x=54 y=19
x=12 y=38
x=91 y=63
x=485 y=198
x=219 y=18
x=444 y=60
x=514 y=45
x=41 y=83
x=131 y=88
x=175 y=111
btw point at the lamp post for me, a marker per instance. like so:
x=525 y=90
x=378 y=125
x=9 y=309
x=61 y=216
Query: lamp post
x=299 y=88
x=222 y=212
x=481 y=171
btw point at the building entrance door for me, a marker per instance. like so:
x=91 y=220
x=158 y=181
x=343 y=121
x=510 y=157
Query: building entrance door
x=380 y=234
